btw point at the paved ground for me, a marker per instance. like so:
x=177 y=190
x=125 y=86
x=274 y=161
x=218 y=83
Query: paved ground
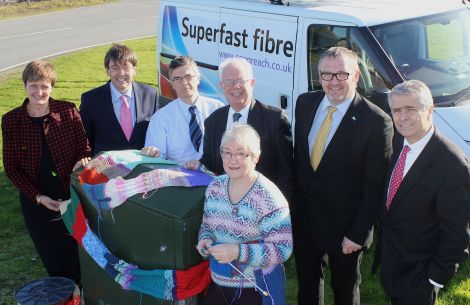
x=28 y=38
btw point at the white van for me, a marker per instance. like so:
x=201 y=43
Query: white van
x=395 y=40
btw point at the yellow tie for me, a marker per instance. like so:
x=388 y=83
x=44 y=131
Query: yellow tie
x=320 y=140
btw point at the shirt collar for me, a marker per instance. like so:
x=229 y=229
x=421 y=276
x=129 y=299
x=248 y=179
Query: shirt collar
x=418 y=146
x=243 y=112
x=341 y=108
x=116 y=95
x=186 y=106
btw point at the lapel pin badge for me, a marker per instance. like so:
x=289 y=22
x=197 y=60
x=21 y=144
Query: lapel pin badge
x=353 y=118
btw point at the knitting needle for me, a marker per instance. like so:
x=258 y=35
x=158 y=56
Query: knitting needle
x=265 y=293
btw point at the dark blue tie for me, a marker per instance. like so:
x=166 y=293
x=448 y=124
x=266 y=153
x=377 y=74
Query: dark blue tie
x=194 y=129
x=236 y=117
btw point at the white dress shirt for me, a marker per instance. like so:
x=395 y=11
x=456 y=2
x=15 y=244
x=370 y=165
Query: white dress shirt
x=242 y=120
x=415 y=150
x=169 y=129
x=117 y=102
x=320 y=116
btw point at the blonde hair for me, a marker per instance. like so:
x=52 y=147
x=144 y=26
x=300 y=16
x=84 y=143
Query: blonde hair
x=39 y=70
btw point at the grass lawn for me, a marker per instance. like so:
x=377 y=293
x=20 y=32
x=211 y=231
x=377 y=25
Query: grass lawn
x=82 y=71
x=14 y=10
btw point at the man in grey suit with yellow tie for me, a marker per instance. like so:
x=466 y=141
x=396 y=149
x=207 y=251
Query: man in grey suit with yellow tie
x=426 y=210
x=342 y=148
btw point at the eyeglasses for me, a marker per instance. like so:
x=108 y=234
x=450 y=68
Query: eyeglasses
x=229 y=83
x=339 y=76
x=187 y=77
x=238 y=155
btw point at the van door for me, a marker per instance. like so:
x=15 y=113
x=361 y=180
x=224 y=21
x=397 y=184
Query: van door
x=268 y=42
x=189 y=30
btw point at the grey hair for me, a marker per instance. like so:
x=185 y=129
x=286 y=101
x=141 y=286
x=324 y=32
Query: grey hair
x=240 y=63
x=416 y=88
x=244 y=135
x=350 y=57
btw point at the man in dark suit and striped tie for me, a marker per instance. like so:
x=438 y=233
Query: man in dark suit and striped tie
x=425 y=216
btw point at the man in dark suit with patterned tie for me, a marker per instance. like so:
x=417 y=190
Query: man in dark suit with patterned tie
x=342 y=148
x=425 y=216
x=116 y=115
x=271 y=123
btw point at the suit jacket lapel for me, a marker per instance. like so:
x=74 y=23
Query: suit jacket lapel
x=343 y=135
x=137 y=101
x=219 y=132
x=137 y=104
x=415 y=173
x=254 y=116
x=107 y=101
x=310 y=113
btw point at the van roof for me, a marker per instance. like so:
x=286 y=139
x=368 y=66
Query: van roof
x=357 y=12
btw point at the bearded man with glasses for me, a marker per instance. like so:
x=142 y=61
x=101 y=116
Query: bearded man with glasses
x=342 y=148
x=271 y=123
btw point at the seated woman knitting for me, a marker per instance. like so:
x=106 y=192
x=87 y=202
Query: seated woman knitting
x=246 y=228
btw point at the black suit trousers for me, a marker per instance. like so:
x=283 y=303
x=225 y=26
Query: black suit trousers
x=428 y=297
x=311 y=263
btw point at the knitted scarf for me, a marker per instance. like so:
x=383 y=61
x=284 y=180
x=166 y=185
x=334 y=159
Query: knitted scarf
x=104 y=186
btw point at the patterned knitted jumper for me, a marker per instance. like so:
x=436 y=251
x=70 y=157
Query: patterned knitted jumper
x=259 y=222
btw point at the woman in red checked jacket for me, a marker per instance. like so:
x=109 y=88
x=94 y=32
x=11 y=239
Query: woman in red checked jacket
x=43 y=140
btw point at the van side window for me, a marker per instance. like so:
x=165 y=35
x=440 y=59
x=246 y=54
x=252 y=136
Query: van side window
x=322 y=37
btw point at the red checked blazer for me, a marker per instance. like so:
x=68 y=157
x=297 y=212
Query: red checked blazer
x=22 y=147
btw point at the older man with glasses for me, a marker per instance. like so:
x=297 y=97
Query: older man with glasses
x=271 y=123
x=342 y=147
x=176 y=131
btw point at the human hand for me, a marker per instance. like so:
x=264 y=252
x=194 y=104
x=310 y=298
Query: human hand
x=192 y=164
x=82 y=162
x=349 y=246
x=202 y=247
x=49 y=203
x=225 y=253
x=150 y=151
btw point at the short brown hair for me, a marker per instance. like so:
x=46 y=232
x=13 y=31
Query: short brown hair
x=39 y=70
x=181 y=61
x=120 y=53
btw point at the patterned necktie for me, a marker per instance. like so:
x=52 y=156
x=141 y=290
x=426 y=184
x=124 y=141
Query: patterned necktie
x=320 y=140
x=397 y=176
x=126 y=117
x=236 y=117
x=195 y=132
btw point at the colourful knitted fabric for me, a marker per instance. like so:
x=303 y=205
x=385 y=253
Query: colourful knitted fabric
x=100 y=183
x=260 y=223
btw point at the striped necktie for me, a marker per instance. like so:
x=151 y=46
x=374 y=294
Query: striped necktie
x=195 y=132
x=320 y=140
